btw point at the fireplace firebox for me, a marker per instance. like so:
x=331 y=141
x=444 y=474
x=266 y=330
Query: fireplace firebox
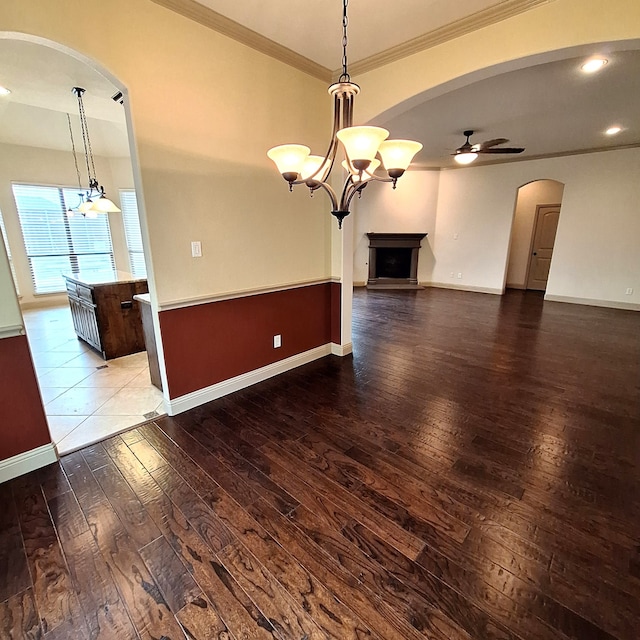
x=393 y=260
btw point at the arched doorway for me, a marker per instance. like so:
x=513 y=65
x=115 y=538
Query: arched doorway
x=533 y=232
x=75 y=383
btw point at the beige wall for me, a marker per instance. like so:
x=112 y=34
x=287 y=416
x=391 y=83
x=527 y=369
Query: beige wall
x=204 y=110
x=530 y=196
x=30 y=165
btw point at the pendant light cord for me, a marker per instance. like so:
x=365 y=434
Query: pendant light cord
x=73 y=148
x=345 y=77
x=88 y=152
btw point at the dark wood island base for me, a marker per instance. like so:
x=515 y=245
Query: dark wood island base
x=104 y=313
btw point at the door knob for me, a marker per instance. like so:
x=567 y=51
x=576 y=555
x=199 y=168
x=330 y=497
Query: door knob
x=535 y=253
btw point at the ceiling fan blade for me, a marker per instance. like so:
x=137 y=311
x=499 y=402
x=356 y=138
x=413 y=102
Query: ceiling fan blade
x=492 y=143
x=505 y=150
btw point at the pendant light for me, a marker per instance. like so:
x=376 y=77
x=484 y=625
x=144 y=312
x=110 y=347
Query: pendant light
x=94 y=199
x=361 y=145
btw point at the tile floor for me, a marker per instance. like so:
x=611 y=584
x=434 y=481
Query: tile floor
x=85 y=397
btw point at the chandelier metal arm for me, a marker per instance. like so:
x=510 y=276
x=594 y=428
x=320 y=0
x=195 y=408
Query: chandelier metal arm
x=331 y=193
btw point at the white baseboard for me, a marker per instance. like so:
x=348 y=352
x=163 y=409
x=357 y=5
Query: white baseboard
x=359 y=283
x=463 y=287
x=341 y=349
x=591 y=302
x=196 y=398
x=27 y=461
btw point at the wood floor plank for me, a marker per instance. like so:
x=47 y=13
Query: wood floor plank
x=104 y=611
x=289 y=620
x=310 y=594
x=231 y=610
x=134 y=517
x=346 y=587
x=140 y=594
x=226 y=455
x=19 y=617
x=14 y=570
x=200 y=621
x=207 y=469
x=55 y=598
x=404 y=540
x=175 y=582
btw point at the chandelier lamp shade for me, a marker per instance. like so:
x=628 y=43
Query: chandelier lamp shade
x=364 y=148
x=93 y=199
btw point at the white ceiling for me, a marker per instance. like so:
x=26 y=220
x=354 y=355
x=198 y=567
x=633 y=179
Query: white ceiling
x=34 y=114
x=548 y=109
x=313 y=28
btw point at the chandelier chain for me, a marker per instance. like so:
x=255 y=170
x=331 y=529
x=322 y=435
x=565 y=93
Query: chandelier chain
x=91 y=169
x=345 y=77
x=73 y=148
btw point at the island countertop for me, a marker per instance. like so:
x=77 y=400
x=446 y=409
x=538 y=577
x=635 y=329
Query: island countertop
x=91 y=278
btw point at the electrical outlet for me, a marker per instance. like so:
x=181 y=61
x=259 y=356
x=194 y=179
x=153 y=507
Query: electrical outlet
x=459 y=274
x=196 y=249
x=277 y=341
x=455 y=236
x=453 y=275
x=629 y=291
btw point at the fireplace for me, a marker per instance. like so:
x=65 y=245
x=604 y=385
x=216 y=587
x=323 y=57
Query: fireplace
x=393 y=260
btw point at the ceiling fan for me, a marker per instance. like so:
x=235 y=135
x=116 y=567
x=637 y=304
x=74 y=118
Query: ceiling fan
x=469 y=152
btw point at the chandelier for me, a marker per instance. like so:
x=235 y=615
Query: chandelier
x=361 y=146
x=93 y=199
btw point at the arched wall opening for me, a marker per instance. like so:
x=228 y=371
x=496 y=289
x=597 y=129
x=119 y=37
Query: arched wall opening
x=39 y=160
x=536 y=203
x=469 y=212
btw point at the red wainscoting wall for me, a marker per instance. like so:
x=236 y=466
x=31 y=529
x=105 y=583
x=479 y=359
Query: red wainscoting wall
x=207 y=343
x=24 y=425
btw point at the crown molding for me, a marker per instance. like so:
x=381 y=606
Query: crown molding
x=216 y=21
x=475 y=21
x=213 y=20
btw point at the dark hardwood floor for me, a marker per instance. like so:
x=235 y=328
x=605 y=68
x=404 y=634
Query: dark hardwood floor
x=473 y=472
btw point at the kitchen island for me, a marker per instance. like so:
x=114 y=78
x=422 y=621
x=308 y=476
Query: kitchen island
x=104 y=314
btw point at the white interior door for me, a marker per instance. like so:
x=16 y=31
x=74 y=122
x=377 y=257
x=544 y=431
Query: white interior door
x=544 y=236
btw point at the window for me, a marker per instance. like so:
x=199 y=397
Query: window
x=129 y=206
x=6 y=244
x=56 y=244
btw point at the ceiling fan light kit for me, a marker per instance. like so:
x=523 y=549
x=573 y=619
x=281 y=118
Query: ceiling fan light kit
x=361 y=145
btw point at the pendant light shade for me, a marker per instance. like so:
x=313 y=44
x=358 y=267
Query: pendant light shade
x=313 y=169
x=104 y=205
x=361 y=144
x=289 y=159
x=397 y=154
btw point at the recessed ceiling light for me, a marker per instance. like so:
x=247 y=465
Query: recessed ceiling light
x=4 y=91
x=593 y=65
x=611 y=131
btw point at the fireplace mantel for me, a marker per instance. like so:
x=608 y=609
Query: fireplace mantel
x=393 y=260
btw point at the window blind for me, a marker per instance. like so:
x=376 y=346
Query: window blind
x=129 y=206
x=6 y=245
x=56 y=244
